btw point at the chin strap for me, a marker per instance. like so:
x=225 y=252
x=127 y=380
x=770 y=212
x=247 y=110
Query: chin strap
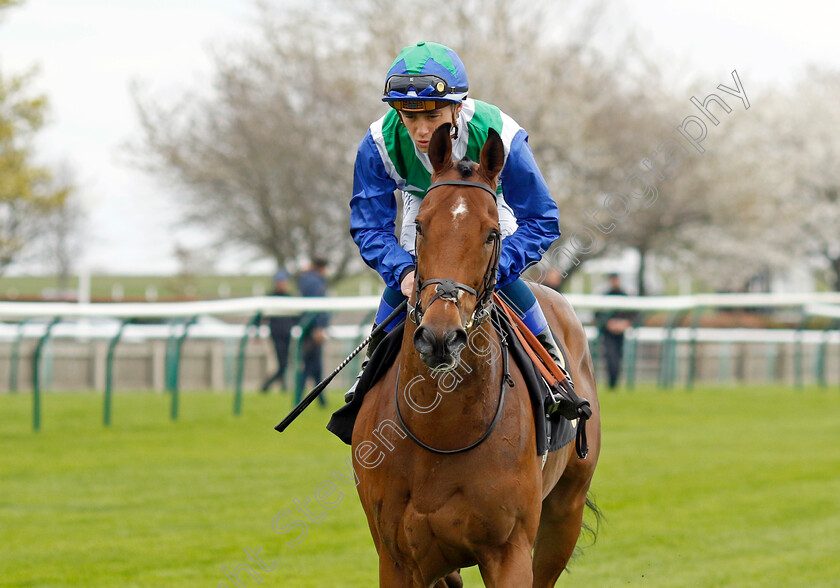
x=454 y=135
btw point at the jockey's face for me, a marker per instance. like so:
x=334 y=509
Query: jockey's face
x=421 y=125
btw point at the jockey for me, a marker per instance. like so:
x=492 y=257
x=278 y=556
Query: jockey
x=427 y=87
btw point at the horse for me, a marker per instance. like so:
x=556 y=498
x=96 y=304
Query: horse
x=461 y=483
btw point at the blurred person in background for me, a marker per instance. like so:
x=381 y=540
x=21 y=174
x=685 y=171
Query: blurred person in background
x=611 y=327
x=426 y=87
x=312 y=283
x=281 y=333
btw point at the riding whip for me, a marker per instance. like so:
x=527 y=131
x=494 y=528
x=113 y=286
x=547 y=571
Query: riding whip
x=322 y=386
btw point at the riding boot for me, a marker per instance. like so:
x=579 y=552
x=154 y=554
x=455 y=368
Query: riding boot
x=374 y=343
x=554 y=401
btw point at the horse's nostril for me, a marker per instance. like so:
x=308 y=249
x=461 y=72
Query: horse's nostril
x=456 y=340
x=424 y=341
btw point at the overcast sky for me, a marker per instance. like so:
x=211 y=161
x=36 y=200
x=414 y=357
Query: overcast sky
x=89 y=51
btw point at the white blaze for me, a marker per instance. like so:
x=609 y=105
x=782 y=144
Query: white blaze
x=459 y=209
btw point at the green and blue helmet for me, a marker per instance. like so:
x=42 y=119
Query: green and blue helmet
x=424 y=77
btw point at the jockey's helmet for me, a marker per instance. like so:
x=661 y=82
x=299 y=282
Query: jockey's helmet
x=424 y=77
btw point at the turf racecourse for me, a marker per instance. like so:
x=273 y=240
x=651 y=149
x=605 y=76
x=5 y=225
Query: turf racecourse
x=716 y=487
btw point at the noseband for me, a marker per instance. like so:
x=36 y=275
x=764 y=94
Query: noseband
x=448 y=289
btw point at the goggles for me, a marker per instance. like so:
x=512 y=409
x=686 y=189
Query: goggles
x=417 y=105
x=422 y=85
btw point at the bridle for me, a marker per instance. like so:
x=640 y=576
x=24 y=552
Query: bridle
x=447 y=289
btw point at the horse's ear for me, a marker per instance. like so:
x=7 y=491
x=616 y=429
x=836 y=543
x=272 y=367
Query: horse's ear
x=492 y=155
x=440 y=148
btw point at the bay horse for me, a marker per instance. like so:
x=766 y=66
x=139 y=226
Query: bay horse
x=437 y=502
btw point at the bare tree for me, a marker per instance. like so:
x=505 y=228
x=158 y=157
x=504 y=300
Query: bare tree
x=266 y=161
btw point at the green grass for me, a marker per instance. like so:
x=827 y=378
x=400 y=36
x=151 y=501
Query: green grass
x=717 y=487
x=174 y=287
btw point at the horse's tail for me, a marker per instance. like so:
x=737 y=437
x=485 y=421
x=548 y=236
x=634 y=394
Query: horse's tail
x=592 y=528
x=589 y=527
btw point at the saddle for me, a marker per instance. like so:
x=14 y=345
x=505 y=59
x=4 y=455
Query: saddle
x=553 y=431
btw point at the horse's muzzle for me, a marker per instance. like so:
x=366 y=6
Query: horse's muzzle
x=439 y=351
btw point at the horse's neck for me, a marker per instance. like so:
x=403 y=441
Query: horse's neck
x=468 y=385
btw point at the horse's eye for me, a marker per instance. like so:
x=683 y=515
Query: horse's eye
x=492 y=236
x=419 y=230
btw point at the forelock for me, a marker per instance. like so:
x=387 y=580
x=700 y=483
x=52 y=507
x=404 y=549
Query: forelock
x=465 y=167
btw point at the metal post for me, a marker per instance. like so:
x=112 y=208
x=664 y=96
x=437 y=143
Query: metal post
x=170 y=361
x=355 y=365
x=692 y=346
x=294 y=359
x=109 y=373
x=240 y=363
x=305 y=326
x=36 y=379
x=724 y=363
x=174 y=390
x=771 y=355
x=631 y=351
x=665 y=351
x=672 y=350
x=14 y=359
x=798 y=362
x=820 y=363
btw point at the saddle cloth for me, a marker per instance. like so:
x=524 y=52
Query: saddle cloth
x=552 y=434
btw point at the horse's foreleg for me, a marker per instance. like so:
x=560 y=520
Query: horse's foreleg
x=510 y=566
x=393 y=575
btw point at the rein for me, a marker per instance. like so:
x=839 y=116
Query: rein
x=447 y=289
x=506 y=380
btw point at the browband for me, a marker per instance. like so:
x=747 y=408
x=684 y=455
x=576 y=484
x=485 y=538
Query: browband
x=484 y=187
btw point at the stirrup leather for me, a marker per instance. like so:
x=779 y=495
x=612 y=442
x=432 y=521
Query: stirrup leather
x=562 y=398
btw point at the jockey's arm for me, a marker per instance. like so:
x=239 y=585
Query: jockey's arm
x=536 y=213
x=373 y=214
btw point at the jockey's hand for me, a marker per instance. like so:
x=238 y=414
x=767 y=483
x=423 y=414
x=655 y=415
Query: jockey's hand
x=407 y=285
